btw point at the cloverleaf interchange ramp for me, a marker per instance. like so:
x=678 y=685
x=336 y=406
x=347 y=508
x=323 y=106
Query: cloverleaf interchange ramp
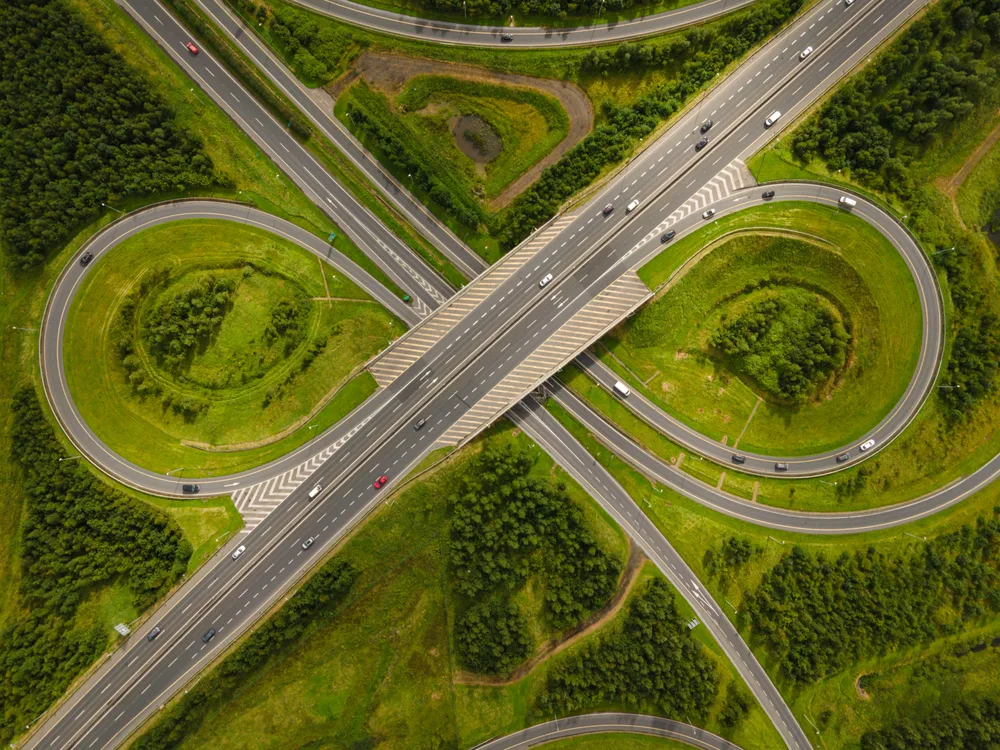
x=588 y=255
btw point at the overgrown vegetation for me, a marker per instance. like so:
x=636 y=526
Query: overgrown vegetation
x=817 y=616
x=78 y=127
x=175 y=326
x=652 y=660
x=77 y=535
x=492 y=637
x=967 y=725
x=317 y=602
x=787 y=343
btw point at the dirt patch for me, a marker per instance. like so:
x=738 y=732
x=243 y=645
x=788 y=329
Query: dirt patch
x=475 y=138
x=592 y=623
x=950 y=185
x=390 y=73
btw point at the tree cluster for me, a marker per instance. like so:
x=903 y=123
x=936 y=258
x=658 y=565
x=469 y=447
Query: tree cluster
x=77 y=534
x=965 y=725
x=817 y=616
x=788 y=345
x=78 y=127
x=492 y=637
x=706 y=54
x=177 y=326
x=652 y=659
x=315 y=603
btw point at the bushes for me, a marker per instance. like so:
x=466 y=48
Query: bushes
x=78 y=127
x=967 y=725
x=492 y=637
x=77 y=535
x=816 y=615
x=175 y=327
x=653 y=659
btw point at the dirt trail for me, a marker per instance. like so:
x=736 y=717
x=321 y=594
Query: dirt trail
x=390 y=73
x=951 y=185
x=554 y=646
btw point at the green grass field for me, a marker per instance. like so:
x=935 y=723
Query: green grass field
x=383 y=671
x=837 y=257
x=141 y=429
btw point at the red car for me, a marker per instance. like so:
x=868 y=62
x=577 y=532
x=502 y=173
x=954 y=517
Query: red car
x=380 y=481
x=191 y=48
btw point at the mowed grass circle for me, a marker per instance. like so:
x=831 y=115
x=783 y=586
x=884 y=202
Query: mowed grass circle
x=259 y=395
x=848 y=265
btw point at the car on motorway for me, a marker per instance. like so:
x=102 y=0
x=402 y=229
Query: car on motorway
x=380 y=481
x=845 y=456
x=767 y=195
x=621 y=389
x=191 y=489
x=708 y=214
x=315 y=491
x=848 y=3
x=191 y=48
x=506 y=37
x=739 y=458
x=668 y=236
x=868 y=444
x=420 y=423
x=239 y=551
x=86 y=258
x=772 y=118
x=209 y=635
x=632 y=206
x=545 y=280
x=608 y=209
x=805 y=53
x=153 y=633
x=781 y=466
x=309 y=542
x=701 y=144
x=706 y=126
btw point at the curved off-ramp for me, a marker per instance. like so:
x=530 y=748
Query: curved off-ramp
x=609 y=723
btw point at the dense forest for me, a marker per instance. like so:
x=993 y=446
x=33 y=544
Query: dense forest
x=652 y=659
x=788 y=344
x=77 y=534
x=967 y=725
x=816 y=616
x=78 y=127
x=507 y=526
x=316 y=603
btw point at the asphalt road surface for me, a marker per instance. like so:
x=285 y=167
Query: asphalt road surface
x=609 y=723
x=455 y=374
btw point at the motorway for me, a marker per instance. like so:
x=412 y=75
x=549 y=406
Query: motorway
x=585 y=257
x=609 y=723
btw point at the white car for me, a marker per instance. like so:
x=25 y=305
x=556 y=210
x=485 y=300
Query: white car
x=805 y=53
x=239 y=551
x=708 y=214
x=315 y=491
x=868 y=444
x=848 y=3
x=545 y=280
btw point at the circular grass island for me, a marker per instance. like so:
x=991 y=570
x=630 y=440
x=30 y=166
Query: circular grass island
x=782 y=341
x=206 y=347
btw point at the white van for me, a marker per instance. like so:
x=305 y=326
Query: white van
x=847 y=202
x=632 y=206
x=772 y=118
x=621 y=389
x=315 y=491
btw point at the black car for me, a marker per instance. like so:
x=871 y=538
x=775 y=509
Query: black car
x=153 y=633
x=706 y=126
x=209 y=635
x=701 y=144
x=668 y=236
x=191 y=489
x=420 y=425
x=506 y=37
x=781 y=467
x=86 y=258
x=608 y=209
x=739 y=459
x=768 y=194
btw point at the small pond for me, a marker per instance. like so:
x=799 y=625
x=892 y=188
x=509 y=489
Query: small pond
x=476 y=139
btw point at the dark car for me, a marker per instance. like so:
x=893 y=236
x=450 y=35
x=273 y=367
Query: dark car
x=768 y=194
x=191 y=489
x=209 y=635
x=153 y=633
x=701 y=144
x=608 y=209
x=781 y=467
x=668 y=236
x=86 y=258
x=506 y=37
x=739 y=458
x=706 y=126
x=846 y=456
x=420 y=424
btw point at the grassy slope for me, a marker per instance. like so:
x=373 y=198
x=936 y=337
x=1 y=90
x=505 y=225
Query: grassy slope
x=665 y=342
x=383 y=671
x=694 y=530
x=147 y=434
x=979 y=196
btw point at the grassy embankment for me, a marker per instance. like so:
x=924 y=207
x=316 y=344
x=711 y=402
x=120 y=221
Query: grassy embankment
x=384 y=668
x=235 y=370
x=903 y=682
